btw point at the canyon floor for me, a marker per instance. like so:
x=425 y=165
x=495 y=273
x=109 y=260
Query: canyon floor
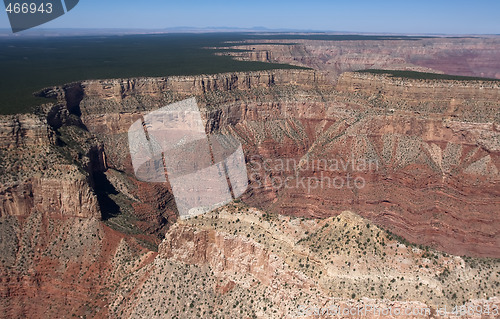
x=80 y=236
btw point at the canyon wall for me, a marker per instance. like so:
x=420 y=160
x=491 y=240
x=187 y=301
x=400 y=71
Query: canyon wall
x=33 y=179
x=468 y=56
x=57 y=257
x=435 y=144
x=75 y=222
x=473 y=101
x=240 y=262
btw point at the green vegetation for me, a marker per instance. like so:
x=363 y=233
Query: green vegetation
x=424 y=75
x=30 y=64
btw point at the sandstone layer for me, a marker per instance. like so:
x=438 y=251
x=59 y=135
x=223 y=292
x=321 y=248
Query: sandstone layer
x=57 y=257
x=79 y=231
x=434 y=146
x=468 y=56
x=239 y=262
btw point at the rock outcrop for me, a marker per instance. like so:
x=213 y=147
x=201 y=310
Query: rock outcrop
x=240 y=262
x=471 y=101
x=432 y=144
x=57 y=257
x=74 y=222
x=34 y=178
x=459 y=56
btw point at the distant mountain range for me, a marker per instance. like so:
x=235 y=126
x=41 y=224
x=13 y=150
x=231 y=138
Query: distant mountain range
x=4 y=32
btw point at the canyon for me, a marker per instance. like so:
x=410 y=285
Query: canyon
x=467 y=56
x=81 y=236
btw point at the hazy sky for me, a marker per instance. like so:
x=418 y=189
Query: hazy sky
x=402 y=16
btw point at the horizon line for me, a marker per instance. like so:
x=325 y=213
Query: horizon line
x=257 y=29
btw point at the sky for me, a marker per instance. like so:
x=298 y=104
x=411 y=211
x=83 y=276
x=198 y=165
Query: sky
x=421 y=16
